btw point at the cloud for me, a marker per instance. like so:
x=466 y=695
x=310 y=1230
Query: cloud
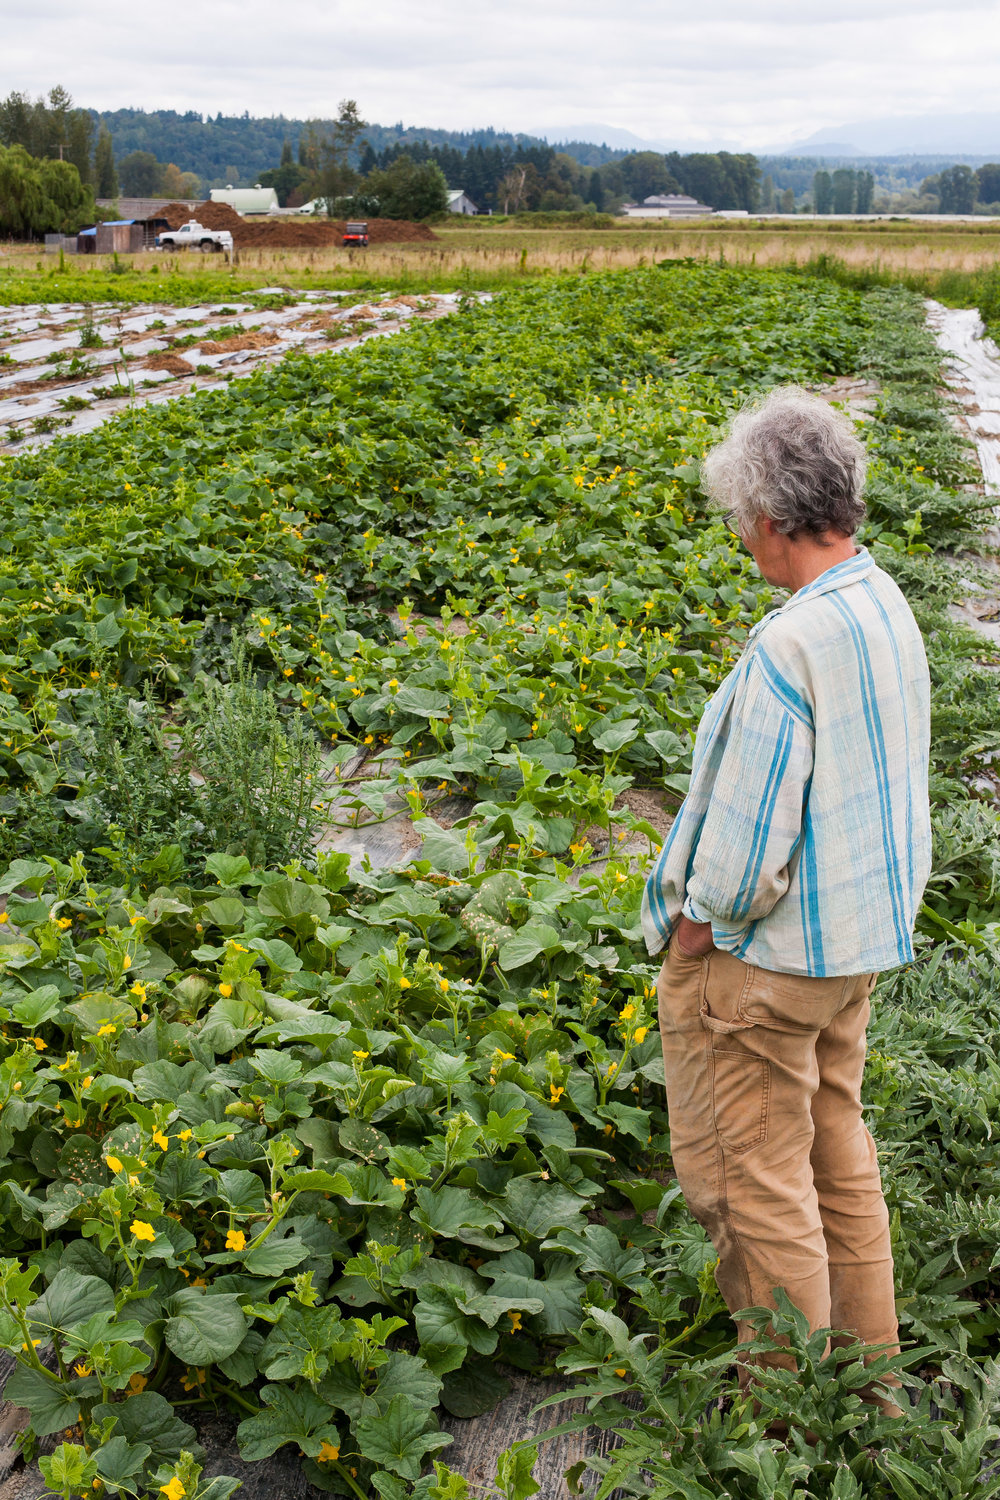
x=746 y=71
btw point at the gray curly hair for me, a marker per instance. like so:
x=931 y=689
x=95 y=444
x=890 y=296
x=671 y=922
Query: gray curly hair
x=792 y=458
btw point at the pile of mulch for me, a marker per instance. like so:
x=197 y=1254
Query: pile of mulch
x=312 y=233
x=172 y=363
x=211 y=215
x=262 y=339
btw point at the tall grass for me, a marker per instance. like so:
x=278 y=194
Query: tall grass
x=957 y=263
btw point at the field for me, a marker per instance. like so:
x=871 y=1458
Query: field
x=334 y=1147
x=952 y=261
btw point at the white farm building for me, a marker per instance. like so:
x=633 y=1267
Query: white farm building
x=255 y=200
x=666 y=206
x=459 y=202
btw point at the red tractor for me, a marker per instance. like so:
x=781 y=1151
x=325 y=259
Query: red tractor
x=355 y=234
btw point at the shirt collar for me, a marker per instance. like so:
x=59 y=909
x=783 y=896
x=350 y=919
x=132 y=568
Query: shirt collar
x=838 y=577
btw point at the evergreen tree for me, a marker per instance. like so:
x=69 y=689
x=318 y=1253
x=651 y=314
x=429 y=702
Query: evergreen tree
x=822 y=193
x=988 y=183
x=105 y=173
x=865 y=192
x=788 y=201
x=80 y=143
x=595 y=190
x=843 y=190
x=958 y=190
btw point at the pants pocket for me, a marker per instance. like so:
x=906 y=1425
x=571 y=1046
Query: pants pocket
x=786 y=1002
x=741 y=1086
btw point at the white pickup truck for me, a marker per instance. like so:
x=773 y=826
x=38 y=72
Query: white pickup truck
x=196 y=236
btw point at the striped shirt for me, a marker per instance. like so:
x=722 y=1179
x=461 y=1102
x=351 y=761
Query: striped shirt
x=805 y=836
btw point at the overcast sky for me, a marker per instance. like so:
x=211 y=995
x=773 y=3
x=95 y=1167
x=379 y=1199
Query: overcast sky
x=752 y=72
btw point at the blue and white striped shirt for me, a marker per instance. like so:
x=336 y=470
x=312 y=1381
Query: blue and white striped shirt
x=805 y=836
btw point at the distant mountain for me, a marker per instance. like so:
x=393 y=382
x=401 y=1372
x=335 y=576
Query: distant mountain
x=970 y=134
x=627 y=140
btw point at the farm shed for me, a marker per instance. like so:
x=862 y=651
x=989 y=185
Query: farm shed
x=119 y=237
x=459 y=202
x=255 y=200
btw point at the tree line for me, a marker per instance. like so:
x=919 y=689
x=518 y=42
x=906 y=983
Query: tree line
x=960 y=190
x=511 y=177
x=843 y=191
x=955 y=190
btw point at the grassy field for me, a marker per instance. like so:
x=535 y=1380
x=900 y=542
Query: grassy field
x=947 y=260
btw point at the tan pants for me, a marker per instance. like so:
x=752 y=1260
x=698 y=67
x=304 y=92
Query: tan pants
x=763 y=1076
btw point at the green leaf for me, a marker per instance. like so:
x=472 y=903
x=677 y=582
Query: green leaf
x=362 y=1140
x=202 y=1328
x=668 y=745
x=288 y=1416
x=38 y=1007
x=230 y=870
x=69 y=1467
x=515 y=1467
x=118 y=1461
x=444 y=847
x=627 y=1119
x=69 y=1298
x=277 y=954
x=276 y=1067
x=491 y=1308
x=33 y=873
x=616 y=736
x=599 y=1252
x=276 y=1256
x=449 y=1210
x=503 y=1131
x=444 y=1329
x=534 y=1208
x=474 y=1389
x=149 y=1418
x=49 y=1403
x=643 y=1193
x=560 y=1292
x=422 y=702
x=298 y=905
x=532 y=941
x=396 y=1440
x=407 y=1375
x=243 y=1191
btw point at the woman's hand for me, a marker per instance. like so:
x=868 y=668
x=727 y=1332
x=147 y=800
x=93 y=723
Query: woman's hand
x=694 y=939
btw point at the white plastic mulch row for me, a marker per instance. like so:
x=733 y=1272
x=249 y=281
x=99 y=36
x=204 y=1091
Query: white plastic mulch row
x=972 y=370
x=40 y=342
